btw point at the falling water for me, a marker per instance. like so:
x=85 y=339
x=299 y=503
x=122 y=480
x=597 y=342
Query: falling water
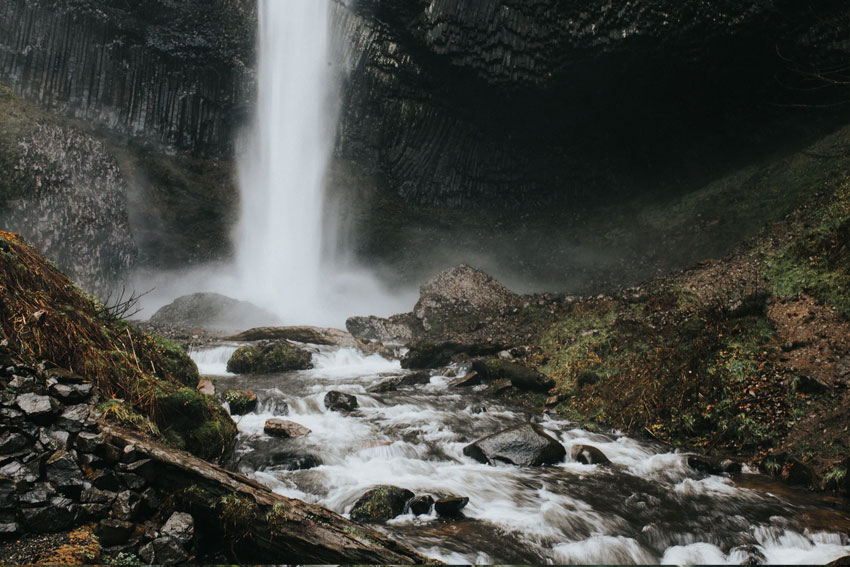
x=279 y=240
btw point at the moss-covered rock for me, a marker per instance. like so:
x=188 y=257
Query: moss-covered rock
x=267 y=358
x=380 y=504
x=196 y=423
x=240 y=401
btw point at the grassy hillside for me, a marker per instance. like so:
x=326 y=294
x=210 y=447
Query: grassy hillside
x=144 y=380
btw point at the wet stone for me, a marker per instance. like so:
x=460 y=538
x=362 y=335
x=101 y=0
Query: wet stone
x=72 y=393
x=60 y=514
x=88 y=442
x=39 y=495
x=523 y=445
x=588 y=455
x=145 y=468
x=94 y=495
x=105 y=480
x=11 y=442
x=63 y=472
x=421 y=505
x=277 y=427
x=74 y=418
x=22 y=383
x=450 y=506
x=339 y=401
x=54 y=440
x=9 y=529
x=380 y=504
x=35 y=405
x=292 y=461
x=126 y=506
x=19 y=472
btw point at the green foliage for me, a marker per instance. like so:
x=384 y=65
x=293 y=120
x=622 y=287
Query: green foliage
x=124 y=560
x=237 y=514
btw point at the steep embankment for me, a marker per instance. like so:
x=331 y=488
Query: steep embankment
x=746 y=357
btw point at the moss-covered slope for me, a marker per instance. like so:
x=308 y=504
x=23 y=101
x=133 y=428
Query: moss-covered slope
x=146 y=381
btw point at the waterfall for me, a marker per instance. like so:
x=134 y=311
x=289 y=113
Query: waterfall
x=281 y=171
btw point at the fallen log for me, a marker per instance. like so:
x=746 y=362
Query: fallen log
x=257 y=525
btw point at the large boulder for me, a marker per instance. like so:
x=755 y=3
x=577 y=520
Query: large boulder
x=461 y=287
x=211 y=311
x=588 y=455
x=427 y=354
x=301 y=334
x=268 y=358
x=380 y=504
x=524 y=445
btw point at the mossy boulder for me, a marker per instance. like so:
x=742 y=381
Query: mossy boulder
x=267 y=358
x=520 y=376
x=240 y=401
x=380 y=504
x=197 y=423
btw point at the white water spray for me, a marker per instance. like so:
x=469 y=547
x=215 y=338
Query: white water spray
x=279 y=240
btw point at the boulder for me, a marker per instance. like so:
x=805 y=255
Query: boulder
x=269 y=358
x=588 y=455
x=798 y=473
x=380 y=504
x=460 y=288
x=521 y=377
x=421 y=505
x=450 y=506
x=302 y=334
x=206 y=387
x=840 y=562
x=241 y=401
x=180 y=526
x=339 y=401
x=73 y=418
x=524 y=445
x=211 y=311
x=277 y=427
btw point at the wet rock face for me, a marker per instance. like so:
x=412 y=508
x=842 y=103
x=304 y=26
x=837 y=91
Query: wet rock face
x=523 y=445
x=74 y=207
x=173 y=72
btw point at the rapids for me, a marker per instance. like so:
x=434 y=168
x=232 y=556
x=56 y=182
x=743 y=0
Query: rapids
x=647 y=507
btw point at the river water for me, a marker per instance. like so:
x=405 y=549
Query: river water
x=648 y=506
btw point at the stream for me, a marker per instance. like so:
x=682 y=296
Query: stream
x=648 y=506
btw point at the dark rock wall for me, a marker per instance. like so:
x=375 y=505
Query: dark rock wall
x=176 y=72
x=499 y=102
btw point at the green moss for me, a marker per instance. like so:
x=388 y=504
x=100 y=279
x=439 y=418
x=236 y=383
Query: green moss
x=277 y=519
x=817 y=260
x=239 y=401
x=192 y=420
x=268 y=359
x=175 y=361
x=124 y=414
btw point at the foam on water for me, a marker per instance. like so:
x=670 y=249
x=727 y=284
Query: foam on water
x=212 y=361
x=646 y=507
